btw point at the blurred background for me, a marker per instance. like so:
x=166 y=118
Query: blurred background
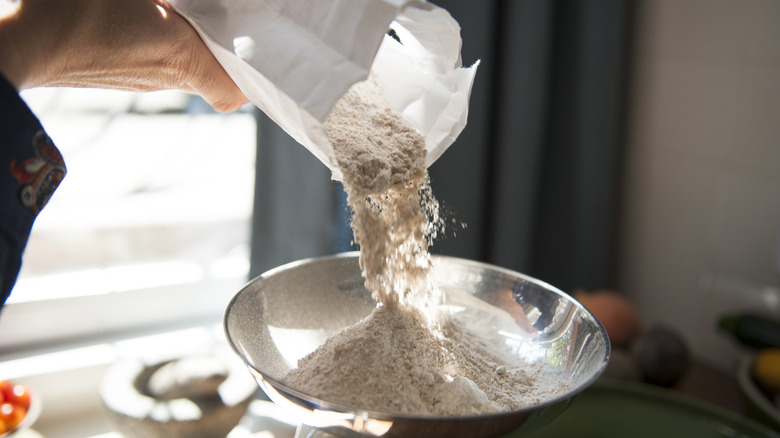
x=629 y=145
x=624 y=145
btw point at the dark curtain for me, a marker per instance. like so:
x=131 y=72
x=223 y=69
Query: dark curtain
x=535 y=174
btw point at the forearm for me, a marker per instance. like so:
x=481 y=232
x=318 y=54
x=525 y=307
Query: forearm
x=141 y=45
x=36 y=41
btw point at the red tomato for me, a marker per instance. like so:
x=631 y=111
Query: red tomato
x=11 y=415
x=5 y=387
x=18 y=395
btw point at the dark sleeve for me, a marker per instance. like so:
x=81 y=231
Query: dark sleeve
x=31 y=168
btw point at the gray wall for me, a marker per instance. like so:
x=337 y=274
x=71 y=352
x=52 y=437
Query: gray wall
x=701 y=232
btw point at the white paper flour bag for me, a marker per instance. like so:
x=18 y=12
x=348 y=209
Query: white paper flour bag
x=295 y=58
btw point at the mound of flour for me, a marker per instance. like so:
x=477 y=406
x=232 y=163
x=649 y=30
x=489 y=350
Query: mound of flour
x=404 y=357
x=393 y=362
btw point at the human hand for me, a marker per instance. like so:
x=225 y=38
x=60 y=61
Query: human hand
x=139 y=45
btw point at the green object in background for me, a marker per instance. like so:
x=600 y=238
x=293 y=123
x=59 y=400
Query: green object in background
x=752 y=330
x=621 y=409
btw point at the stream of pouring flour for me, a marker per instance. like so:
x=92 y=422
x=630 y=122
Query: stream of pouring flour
x=405 y=357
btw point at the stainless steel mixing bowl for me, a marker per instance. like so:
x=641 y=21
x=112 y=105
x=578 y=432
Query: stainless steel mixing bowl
x=289 y=311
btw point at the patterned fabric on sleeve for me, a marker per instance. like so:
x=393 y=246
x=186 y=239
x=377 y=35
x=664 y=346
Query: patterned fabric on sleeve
x=31 y=168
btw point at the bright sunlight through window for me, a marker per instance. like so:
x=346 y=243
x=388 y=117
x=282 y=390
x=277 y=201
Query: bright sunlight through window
x=158 y=192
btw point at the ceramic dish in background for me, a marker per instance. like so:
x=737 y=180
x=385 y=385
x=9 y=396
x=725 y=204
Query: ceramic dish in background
x=200 y=396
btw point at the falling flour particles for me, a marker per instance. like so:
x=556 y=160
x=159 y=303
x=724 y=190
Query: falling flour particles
x=406 y=357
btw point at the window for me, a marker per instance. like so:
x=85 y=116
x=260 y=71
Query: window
x=150 y=226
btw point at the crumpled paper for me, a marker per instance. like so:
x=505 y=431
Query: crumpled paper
x=294 y=59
